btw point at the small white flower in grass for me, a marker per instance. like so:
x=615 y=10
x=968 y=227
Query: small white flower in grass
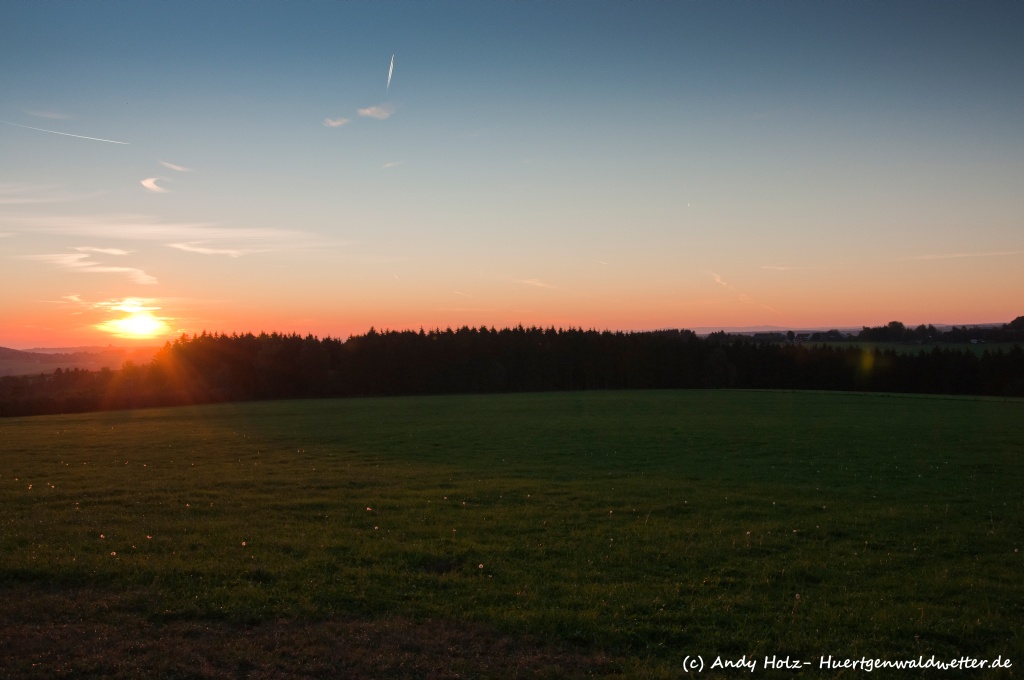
x=243 y=544
x=369 y=509
x=102 y=536
x=113 y=554
x=481 y=566
x=375 y=528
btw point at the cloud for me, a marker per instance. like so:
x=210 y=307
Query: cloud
x=151 y=184
x=147 y=228
x=80 y=262
x=392 y=164
x=197 y=247
x=740 y=295
x=776 y=268
x=129 y=305
x=19 y=194
x=951 y=256
x=75 y=299
x=50 y=115
x=537 y=283
x=105 y=251
x=462 y=294
x=336 y=122
x=379 y=112
x=172 y=166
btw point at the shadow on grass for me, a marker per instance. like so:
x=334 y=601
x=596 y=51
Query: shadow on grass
x=91 y=633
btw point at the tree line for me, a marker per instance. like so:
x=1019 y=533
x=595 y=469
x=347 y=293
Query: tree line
x=208 y=368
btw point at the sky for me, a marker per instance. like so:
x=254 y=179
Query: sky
x=170 y=168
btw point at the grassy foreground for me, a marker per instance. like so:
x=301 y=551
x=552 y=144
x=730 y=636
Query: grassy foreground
x=551 y=535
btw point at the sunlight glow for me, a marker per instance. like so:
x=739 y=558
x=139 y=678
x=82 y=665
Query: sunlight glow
x=139 y=322
x=137 y=325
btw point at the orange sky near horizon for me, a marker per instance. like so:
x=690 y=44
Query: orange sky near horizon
x=721 y=303
x=726 y=165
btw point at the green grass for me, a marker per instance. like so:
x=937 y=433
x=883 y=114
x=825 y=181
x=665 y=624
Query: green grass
x=624 y=530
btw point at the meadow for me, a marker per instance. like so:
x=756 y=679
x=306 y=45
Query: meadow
x=563 y=534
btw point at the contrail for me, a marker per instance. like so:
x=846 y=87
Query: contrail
x=66 y=134
x=391 y=70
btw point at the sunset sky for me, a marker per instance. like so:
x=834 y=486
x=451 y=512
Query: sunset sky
x=240 y=167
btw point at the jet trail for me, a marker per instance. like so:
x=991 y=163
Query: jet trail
x=391 y=70
x=66 y=134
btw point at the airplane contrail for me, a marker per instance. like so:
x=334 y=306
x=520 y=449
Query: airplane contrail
x=391 y=70
x=66 y=134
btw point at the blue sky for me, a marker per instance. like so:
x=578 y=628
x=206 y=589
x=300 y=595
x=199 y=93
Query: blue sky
x=608 y=165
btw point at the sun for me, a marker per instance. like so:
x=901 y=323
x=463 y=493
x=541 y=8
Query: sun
x=140 y=324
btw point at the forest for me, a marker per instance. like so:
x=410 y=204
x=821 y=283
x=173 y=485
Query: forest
x=209 y=368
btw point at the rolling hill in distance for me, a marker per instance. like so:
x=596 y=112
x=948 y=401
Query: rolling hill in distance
x=47 y=360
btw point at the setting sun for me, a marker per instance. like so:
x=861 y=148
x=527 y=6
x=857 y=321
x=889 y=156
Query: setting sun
x=138 y=325
x=139 y=322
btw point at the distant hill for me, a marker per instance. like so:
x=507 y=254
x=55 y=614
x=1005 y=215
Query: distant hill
x=19 y=362
x=84 y=349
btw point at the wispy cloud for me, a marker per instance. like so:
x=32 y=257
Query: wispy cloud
x=129 y=305
x=953 y=256
x=392 y=164
x=74 y=299
x=24 y=194
x=81 y=263
x=536 y=283
x=336 y=122
x=147 y=228
x=462 y=294
x=198 y=247
x=50 y=115
x=151 y=184
x=105 y=251
x=740 y=295
x=379 y=112
x=172 y=166
x=776 y=268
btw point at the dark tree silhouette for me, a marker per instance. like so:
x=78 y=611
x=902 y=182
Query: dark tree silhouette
x=215 y=367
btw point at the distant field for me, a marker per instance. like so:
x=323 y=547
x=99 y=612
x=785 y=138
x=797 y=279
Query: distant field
x=912 y=348
x=540 y=535
x=15 y=362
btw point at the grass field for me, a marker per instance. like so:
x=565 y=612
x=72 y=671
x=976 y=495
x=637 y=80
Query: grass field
x=541 y=535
